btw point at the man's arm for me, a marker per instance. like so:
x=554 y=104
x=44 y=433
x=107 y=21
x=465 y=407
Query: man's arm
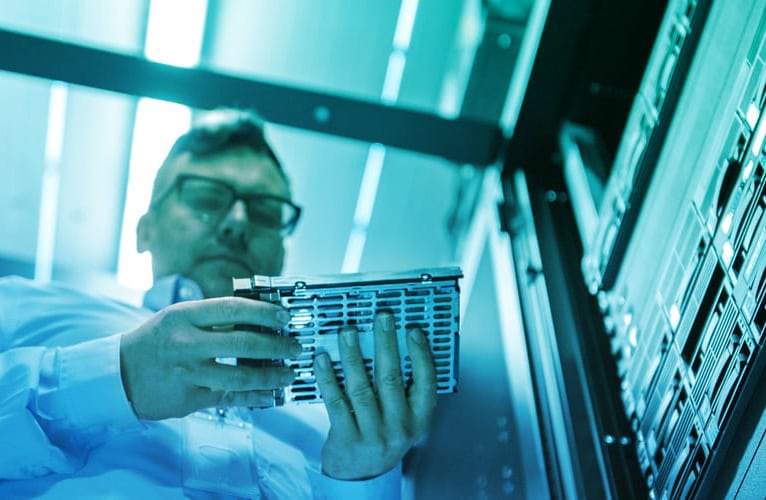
x=60 y=387
x=57 y=403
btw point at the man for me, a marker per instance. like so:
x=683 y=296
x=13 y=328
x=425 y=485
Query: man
x=101 y=399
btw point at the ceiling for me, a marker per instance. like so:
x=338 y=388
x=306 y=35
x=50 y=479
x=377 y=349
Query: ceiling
x=74 y=156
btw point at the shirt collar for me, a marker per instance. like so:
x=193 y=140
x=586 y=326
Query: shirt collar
x=169 y=290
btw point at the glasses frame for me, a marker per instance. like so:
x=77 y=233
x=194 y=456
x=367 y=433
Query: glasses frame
x=284 y=230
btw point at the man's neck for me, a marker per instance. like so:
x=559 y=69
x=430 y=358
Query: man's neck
x=169 y=290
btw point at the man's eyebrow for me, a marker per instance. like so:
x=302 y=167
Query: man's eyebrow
x=258 y=192
x=264 y=195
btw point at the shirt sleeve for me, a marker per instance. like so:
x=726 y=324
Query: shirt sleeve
x=386 y=486
x=57 y=403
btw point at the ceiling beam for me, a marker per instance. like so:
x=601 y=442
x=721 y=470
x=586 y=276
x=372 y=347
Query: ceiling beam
x=462 y=140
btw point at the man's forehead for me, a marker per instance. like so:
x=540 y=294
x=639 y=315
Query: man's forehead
x=245 y=169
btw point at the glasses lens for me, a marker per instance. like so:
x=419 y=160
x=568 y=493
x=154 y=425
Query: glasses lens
x=271 y=212
x=205 y=196
x=213 y=198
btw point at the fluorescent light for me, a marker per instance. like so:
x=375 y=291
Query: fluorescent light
x=173 y=36
x=46 y=229
x=49 y=196
x=377 y=152
x=354 y=250
x=404 y=24
x=54 y=140
x=369 y=187
x=174 y=31
x=468 y=38
x=158 y=124
x=450 y=102
x=364 y=205
x=393 y=79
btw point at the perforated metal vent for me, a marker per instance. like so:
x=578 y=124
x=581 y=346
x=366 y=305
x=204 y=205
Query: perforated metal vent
x=321 y=306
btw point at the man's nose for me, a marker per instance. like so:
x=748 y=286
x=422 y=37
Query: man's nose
x=234 y=222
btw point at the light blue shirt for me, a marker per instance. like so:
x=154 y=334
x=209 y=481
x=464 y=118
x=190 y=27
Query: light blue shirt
x=67 y=429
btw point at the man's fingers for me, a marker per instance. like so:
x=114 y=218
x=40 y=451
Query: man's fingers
x=234 y=310
x=220 y=377
x=206 y=398
x=359 y=390
x=388 y=371
x=251 y=399
x=338 y=407
x=244 y=344
x=422 y=393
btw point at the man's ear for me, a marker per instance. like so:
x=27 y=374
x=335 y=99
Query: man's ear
x=144 y=233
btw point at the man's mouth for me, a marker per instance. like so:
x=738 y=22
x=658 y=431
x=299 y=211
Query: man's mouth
x=231 y=259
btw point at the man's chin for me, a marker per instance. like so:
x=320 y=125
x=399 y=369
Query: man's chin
x=214 y=276
x=216 y=287
x=225 y=267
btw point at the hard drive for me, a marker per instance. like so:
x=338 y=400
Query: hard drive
x=320 y=306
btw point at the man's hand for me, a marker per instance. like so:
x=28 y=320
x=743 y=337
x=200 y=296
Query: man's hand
x=371 y=429
x=169 y=367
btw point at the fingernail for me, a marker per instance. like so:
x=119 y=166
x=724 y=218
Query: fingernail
x=283 y=316
x=349 y=336
x=417 y=336
x=322 y=360
x=386 y=321
x=288 y=378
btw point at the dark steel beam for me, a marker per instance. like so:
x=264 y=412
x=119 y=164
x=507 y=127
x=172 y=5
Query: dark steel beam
x=462 y=140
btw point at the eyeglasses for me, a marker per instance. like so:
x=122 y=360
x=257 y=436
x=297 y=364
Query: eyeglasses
x=211 y=199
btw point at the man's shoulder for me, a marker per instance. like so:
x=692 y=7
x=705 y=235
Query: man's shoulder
x=57 y=314
x=18 y=286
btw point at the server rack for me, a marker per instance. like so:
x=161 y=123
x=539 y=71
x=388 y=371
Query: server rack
x=653 y=259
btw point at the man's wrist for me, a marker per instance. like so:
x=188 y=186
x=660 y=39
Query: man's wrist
x=90 y=388
x=385 y=486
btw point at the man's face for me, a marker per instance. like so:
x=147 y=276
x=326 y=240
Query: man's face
x=212 y=251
